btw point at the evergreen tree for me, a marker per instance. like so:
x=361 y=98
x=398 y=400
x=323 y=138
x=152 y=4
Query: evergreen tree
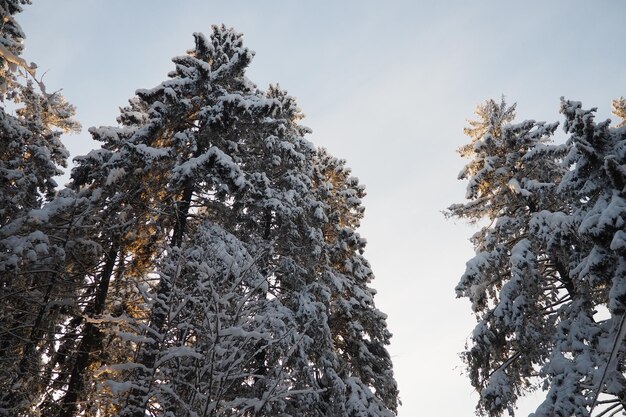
x=203 y=261
x=539 y=274
x=142 y=182
x=185 y=142
x=511 y=177
x=585 y=370
x=357 y=330
x=219 y=323
x=218 y=163
x=32 y=248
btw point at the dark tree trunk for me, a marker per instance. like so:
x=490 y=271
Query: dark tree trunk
x=91 y=340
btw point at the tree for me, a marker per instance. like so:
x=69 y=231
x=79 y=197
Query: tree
x=32 y=252
x=508 y=182
x=218 y=163
x=358 y=332
x=538 y=277
x=219 y=324
x=143 y=180
x=32 y=152
x=588 y=363
x=203 y=261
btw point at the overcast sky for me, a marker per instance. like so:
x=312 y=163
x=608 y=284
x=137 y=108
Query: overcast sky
x=387 y=86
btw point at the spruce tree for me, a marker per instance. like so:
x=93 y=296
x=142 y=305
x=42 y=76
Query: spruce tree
x=512 y=284
x=358 y=333
x=549 y=259
x=32 y=246
x=203 y=261
x=143 y=179
x=205 y=161
x=219 y=324
x=185 y=143
x=585 y=371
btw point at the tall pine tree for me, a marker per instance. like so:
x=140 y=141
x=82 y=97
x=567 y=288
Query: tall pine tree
x=203 y=261
x=548 y=259
x=203 y=161
x=32 y=248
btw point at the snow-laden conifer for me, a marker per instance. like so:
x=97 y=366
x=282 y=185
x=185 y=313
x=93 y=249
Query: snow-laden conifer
x=143 y=179
x=33 y=245
x=511 y=175
x=221 y=275
x=219 y=323
x=357 y=328
x=546 y=264
x=585 y=371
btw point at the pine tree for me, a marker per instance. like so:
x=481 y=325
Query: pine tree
x=512 y=284
x=32 y=253
x=357 y=330
x=549 y=259
x=210 y=261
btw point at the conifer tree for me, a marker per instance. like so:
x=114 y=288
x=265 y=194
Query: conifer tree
x=143 y=179
x=585 y=371
x=511 y=177
x=357 y=330
x=545 y=263
x=185 y=142
x=219 y=324
x=204 y=161
x=203 y=261
x=32 y=254
x=270 y=210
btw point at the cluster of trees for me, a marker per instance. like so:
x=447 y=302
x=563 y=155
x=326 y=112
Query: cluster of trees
x=548 y=282
x=204 y=261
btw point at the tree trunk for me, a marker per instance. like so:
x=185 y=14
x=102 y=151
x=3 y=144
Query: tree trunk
x=91 y=340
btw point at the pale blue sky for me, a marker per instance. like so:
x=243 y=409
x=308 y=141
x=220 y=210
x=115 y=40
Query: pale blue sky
x=386 y=85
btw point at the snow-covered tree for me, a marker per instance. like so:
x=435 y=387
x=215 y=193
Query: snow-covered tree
x=203 y=261
x=511 y=177
x=11 y=45
x=358 y=333
x=205 y=161
x=586 y=371
x=31 y=122
x=143 y=179
x=539 y=275
x=219 y=324
x=32 y=248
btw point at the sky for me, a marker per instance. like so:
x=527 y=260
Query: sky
x=388 y=86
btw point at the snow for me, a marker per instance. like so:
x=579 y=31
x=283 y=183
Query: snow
x=515 y=186
x=114 y=175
